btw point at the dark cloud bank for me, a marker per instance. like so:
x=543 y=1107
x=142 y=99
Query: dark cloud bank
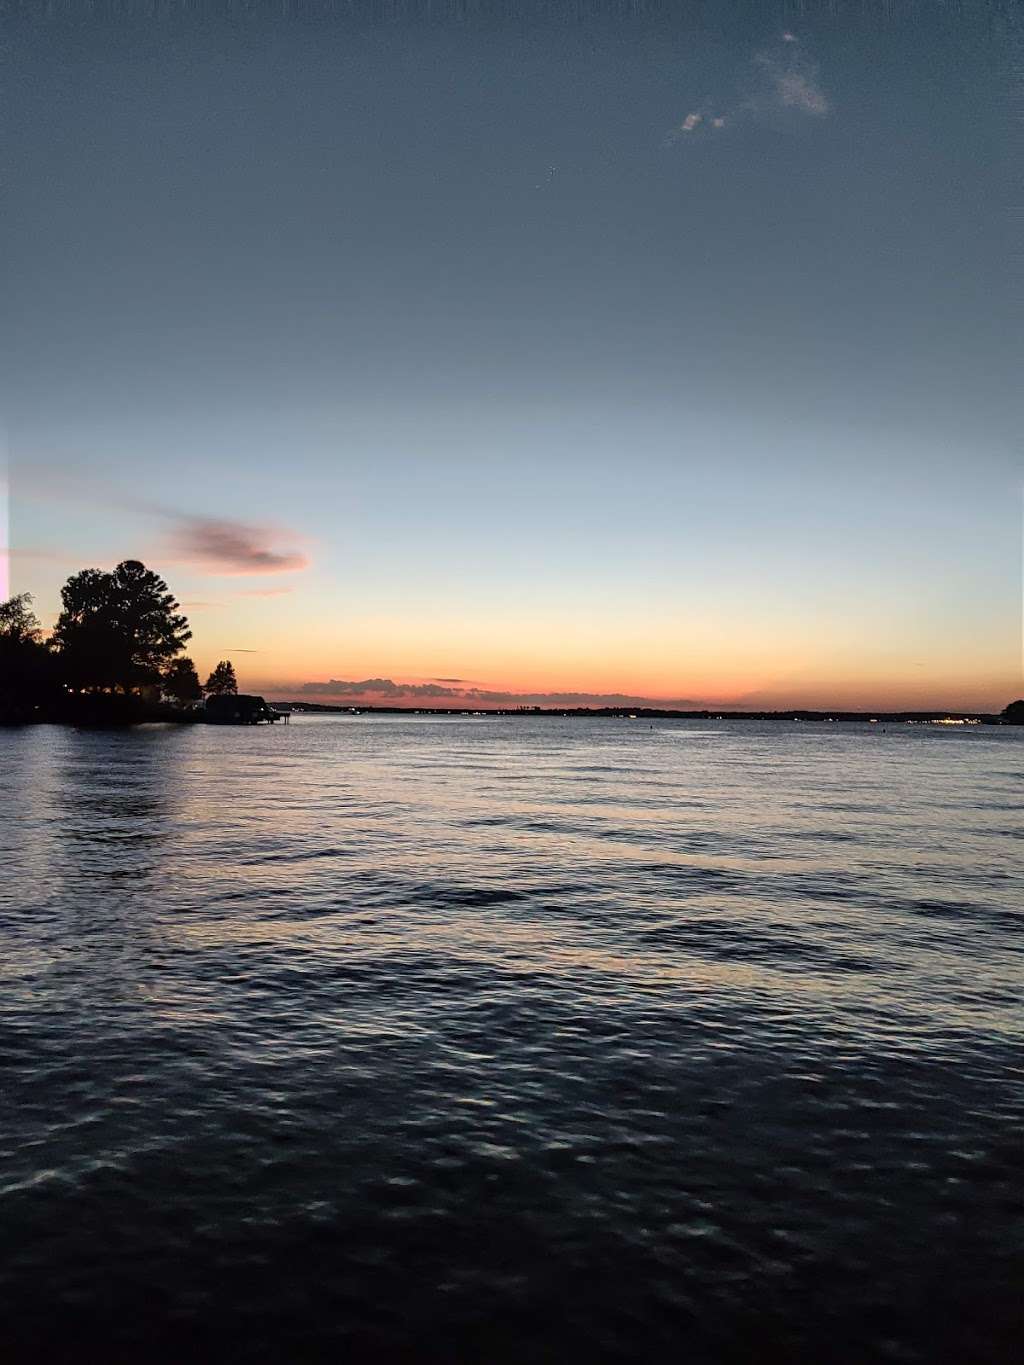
x=385 y=691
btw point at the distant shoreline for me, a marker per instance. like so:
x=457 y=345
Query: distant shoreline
x=650 y=713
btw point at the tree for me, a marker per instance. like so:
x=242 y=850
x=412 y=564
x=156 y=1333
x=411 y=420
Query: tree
x=28 y=674
x=222 y=681
x=19 y=624
x=1014 y=713
x=118 y=630
x=181 y=681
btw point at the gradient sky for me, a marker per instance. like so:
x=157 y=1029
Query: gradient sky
x=660 y=351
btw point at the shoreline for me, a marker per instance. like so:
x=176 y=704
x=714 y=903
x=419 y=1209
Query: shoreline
x=656 y=713
x=117 y=717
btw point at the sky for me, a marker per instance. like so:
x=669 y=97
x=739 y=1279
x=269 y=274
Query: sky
x=454 y=352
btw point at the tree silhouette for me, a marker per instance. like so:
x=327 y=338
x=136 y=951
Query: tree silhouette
x=28 y=672
x=181 y=681
x=118 y=630
x=222 y=681
x=1014 y=713
x=19 y=624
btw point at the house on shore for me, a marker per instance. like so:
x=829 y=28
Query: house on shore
x=239 y=709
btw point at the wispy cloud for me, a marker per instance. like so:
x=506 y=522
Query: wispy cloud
x=234 y=547
x=385 y=691
x=785 y=78
x=689 y=125
x=793 y=80
x=218 y=545
x=35 y=554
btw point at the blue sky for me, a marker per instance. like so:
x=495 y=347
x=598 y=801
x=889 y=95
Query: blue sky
x=664 y=354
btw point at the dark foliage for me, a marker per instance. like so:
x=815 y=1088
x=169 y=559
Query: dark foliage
x=1014 y=713
x=222 y=681
x=118 y=630
x=19 y=624
x=181 y=681
x=29 y=676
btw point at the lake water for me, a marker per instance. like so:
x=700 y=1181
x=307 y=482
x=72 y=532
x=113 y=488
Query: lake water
x=512 y=1040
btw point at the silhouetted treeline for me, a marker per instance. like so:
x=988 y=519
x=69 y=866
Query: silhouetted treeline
x=115 y=654
x=30 y=672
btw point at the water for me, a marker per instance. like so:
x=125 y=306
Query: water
x=511 y=1040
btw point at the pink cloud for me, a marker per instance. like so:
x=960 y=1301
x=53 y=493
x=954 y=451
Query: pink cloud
x=234 y=548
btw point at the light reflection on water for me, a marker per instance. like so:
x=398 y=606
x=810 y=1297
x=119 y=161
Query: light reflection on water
x=512 y=1039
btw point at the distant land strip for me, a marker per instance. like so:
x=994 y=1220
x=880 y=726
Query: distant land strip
x=649 y=713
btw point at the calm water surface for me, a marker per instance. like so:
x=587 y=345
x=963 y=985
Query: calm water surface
x=511 y=1040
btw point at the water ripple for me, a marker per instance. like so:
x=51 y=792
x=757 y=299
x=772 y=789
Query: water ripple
x=511 y=1040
